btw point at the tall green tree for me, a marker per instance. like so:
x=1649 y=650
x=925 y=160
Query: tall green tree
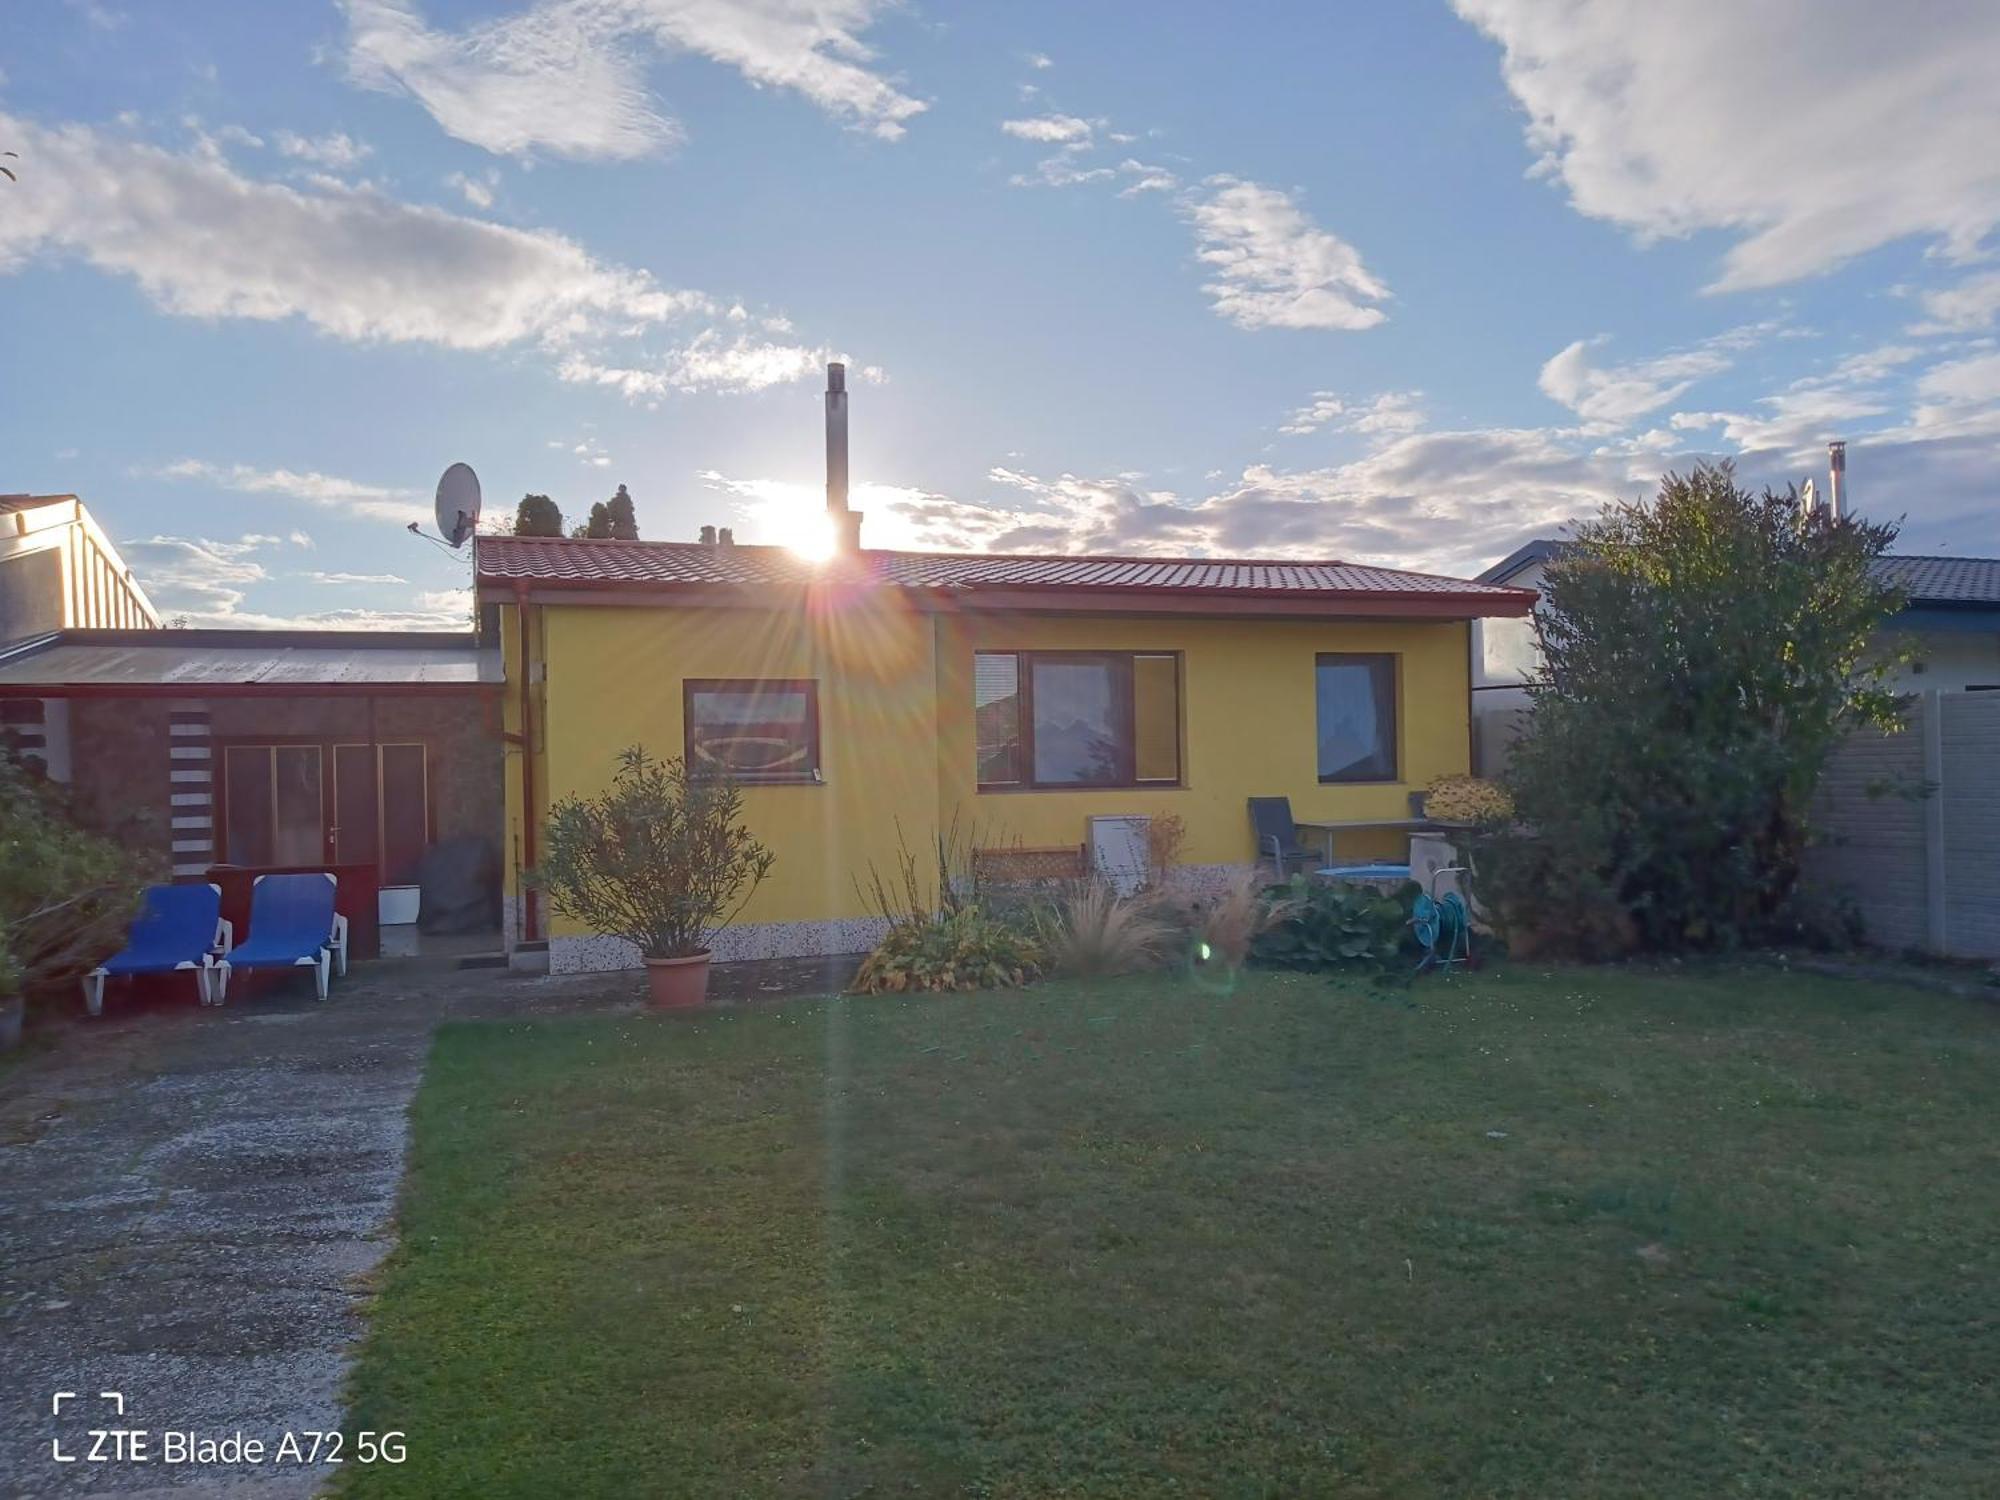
x=1704 y=653
x=619 y=517
x=537 y=515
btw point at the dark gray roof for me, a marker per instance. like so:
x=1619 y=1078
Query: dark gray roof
x=244 y=660
x=1946 y=580
x=1539 y=550
x=1929 y=581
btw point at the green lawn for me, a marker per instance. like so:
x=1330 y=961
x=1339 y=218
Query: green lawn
x=1539 y=1232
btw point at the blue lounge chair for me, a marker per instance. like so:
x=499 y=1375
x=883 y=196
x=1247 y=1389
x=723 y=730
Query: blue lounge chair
x=292 y=925
x=179 y=927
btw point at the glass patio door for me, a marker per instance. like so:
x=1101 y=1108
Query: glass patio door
x=381 y=812
x=275 y=805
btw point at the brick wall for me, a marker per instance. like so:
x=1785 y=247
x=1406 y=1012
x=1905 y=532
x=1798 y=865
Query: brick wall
x=142 y=767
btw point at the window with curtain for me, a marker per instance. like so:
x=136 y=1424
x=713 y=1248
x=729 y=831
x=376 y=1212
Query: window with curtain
x=1355 y=715
x=1077 y=718
x=764 y=730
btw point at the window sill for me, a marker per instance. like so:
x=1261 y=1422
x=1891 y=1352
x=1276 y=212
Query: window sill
x=746 y=782
x=1061 y=787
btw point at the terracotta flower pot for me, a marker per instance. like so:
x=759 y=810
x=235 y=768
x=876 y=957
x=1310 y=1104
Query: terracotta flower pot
x=677 y=983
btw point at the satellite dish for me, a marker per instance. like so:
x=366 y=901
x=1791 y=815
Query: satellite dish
x=457 y=504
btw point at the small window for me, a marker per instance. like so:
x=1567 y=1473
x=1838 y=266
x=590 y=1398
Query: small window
x=753 y=731
x=1077 y=718
x=996 y=718
x=1356 y=718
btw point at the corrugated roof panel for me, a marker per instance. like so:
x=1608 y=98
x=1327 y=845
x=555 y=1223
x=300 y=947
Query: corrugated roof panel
x=106 y=665
x=560 y=560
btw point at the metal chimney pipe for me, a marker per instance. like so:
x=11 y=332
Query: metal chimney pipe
x=1836 y=499
x=846 y=522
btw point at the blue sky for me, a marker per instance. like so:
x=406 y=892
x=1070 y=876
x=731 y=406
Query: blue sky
x=1396 y=282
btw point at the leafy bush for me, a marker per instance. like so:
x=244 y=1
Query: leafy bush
x=1705 y=652
x=1331 y=925
x=66 y=895
x=660 y=859
x=964 y=948
x=1092 y=930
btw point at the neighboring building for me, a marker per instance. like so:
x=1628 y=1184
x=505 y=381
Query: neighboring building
x=58 y=571
x=1950 y=622
x=877 y=699
x=273 y=747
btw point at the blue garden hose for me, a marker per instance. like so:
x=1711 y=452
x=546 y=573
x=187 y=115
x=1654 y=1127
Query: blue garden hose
x=1441 y=926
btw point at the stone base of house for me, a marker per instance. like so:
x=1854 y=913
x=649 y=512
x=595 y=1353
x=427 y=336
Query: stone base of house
x=591 y=955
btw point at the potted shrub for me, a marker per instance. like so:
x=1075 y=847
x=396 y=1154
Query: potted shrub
x=660 y=859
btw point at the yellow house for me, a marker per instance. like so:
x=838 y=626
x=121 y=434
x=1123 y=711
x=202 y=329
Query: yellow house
x=873 y=698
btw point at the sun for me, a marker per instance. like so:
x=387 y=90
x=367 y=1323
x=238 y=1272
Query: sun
x=812 y=537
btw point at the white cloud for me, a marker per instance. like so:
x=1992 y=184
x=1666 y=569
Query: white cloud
x=336 y=151
x=709 y=361
x=1039 y=60
x=478 y=191
x=204 y=240
x=348 y=497
x=568 y=76
x=1050 y=130
x=1971 y=305
x=1813 y=130
x=1388 y=413
x=1274 y=267
x=1959 y=398
x=208 y=583
x=194 y=575
x=1146 y=178
x=1322 y=409
x=1614 y=395
x=1792 y=423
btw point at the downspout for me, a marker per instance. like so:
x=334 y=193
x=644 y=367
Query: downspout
x=529 y=906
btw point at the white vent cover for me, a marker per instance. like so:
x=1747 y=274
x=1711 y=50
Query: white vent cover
x=1118 y=851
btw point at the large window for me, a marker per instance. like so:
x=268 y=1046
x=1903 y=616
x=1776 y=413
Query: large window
x=305 y=804
x=1077 y=718
x=1355 y=714
x=765 y=730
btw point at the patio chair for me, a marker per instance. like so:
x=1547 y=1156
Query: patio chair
x=179 y=927
x=1278 y=836
x=292 y=925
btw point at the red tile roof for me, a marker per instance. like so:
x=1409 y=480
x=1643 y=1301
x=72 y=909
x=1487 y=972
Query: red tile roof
x=562 y=564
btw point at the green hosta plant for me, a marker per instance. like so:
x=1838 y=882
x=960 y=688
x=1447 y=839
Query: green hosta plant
x=1331 y=926
x=662 y=858
x=964 y=948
